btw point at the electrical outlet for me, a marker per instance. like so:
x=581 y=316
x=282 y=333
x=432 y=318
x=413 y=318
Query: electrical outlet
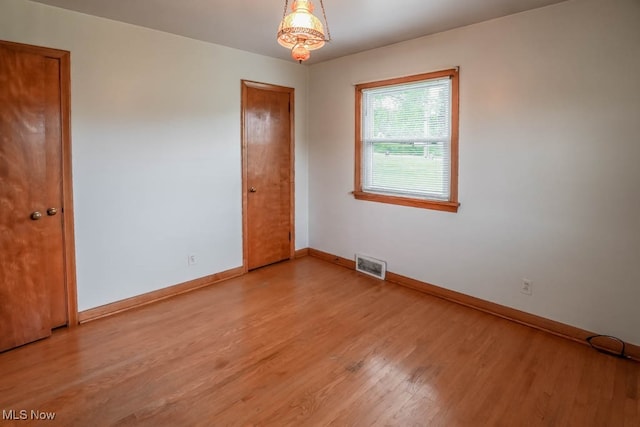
x=192 y=259
x=527 y=287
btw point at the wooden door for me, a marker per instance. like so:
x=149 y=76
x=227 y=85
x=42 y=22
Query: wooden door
x=33 y=282
x=268 y=173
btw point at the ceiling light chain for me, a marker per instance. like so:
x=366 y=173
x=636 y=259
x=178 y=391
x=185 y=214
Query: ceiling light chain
x=284 y=12
x=326 y=23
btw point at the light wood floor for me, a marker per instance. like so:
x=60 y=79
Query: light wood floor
x=310 y=343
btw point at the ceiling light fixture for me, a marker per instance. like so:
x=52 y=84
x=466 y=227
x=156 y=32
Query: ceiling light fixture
x=301 y=31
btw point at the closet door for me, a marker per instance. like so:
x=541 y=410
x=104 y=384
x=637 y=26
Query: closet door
x=33 y=298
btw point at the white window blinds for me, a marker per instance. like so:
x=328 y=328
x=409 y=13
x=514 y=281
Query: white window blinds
x=406 y=139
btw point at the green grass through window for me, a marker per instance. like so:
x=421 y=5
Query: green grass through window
x=408 y=172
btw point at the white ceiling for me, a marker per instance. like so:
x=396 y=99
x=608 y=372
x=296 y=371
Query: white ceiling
x=251 y=25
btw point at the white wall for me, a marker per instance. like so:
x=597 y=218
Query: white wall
x=156 y=148
x=549 y=175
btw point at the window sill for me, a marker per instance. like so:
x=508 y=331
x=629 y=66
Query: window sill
x=408 y=201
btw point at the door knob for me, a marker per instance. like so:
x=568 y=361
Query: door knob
x=252 y=190
x=36 y=216
x=52 y=211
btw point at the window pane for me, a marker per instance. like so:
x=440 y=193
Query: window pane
x=408 y=112
x=406 y=139
x=415 y=168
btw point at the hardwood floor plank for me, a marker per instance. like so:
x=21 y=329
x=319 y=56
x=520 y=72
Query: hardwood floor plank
x=307 y=342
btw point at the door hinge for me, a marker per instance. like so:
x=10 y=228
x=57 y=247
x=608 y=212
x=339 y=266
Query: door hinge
x=289 y=106
x=289 y=236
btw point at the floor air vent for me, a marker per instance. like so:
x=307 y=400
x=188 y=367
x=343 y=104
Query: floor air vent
x=371 y=266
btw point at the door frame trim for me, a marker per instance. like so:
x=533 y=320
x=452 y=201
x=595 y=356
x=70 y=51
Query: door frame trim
x=245 y=84
x=68 y=237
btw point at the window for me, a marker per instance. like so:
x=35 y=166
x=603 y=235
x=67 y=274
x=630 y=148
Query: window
x=407 y=141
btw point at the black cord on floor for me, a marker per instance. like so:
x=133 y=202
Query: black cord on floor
x=605 y=350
